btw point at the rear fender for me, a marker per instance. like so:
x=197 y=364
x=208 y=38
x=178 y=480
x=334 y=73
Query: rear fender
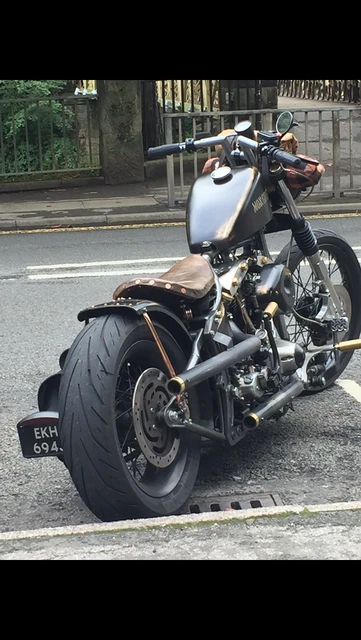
x=156 y=311
x=170 y=321
x=48 y=393
x=49 y=388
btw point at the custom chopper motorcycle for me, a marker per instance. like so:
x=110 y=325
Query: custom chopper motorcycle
x=222 y=341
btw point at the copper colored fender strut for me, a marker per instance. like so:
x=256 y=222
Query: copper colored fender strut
x=158 y=342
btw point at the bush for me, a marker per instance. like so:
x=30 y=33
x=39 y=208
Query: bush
x=37 y=136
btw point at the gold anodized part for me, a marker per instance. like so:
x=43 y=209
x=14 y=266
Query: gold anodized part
x=180 y=381
x=348 y=345
x=159 y=344
x=264 y=260
x=271 y=309
x=243 y=266
x=227 y=296
x=220 y=312
x=255 y=418
x=235 y=282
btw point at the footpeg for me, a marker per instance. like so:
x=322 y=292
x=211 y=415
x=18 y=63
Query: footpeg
x=348 y=345
x=339 y=324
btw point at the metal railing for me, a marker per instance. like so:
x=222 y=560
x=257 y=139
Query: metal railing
x=50 y=135
x=209 y=95
x=335 y=90
x=328 y=134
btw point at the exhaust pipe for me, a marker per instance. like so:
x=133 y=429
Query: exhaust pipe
x=279 y=400
x=214 y=365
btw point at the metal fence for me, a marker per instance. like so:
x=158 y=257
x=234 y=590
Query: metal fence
x=331 y=135
x=210 y=95
x=335 y=90
x=42 y=136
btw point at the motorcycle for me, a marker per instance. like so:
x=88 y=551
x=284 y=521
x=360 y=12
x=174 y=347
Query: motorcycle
x=225 y=339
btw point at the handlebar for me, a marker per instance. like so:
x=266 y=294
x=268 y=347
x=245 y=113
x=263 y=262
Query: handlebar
x=278 y=155
x=272 y=152
x=192 y=145
x=154 y=153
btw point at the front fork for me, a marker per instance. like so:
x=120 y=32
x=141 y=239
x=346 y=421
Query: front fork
x=306 y=238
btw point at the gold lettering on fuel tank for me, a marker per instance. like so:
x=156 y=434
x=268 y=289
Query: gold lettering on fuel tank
x=260 y=202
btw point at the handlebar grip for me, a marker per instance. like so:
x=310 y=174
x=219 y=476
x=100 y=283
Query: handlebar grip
x=287 y=158
x=164 y=150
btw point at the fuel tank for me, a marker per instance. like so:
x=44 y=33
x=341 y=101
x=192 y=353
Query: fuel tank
x=226 y=212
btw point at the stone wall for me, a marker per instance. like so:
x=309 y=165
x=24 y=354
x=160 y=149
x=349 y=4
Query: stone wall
x=120 y=131
x=88 y=131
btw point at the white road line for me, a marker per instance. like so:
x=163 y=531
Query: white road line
x=76 y=265
x=117 y=272
x=158 y=265
x=352 y=388
x=85 y=274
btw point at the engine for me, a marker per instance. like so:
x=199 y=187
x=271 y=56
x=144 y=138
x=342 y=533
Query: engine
x=251 y=382
x=274 y=283
x=262 y=284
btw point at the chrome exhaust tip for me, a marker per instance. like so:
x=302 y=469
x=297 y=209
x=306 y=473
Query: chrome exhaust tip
x=251 y=421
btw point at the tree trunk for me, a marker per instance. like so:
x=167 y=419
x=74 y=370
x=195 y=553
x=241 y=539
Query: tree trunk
x=151 y=115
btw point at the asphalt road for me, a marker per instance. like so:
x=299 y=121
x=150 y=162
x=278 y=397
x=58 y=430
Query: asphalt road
x=311 y=456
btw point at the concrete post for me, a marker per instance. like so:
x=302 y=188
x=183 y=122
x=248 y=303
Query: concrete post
x=120 y=131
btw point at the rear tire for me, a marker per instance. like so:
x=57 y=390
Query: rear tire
x=108 y=450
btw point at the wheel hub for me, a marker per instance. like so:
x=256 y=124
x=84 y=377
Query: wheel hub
x=158 y=443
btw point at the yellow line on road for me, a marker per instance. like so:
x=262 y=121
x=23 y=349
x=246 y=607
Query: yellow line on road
x=147 y=225
x=329 y=216
x=106 y=228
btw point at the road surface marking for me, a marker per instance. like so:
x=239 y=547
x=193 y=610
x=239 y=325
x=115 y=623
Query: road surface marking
x=352 y=388
x=145 y=225
x=85 y=274
x=76 y=265
x=116 y=227
x=152 y=266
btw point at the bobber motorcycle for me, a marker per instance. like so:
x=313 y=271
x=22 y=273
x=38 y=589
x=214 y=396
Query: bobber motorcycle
x=225 y=339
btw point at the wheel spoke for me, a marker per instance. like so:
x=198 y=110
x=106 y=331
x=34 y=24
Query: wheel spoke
x=306 y=288
x=120 y=415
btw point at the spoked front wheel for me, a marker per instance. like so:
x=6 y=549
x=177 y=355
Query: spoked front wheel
x=123 y=459
x=345 y=274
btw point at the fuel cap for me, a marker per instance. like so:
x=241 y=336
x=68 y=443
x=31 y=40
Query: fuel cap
x=221 y=174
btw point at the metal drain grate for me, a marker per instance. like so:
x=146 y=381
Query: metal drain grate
x=232 y=503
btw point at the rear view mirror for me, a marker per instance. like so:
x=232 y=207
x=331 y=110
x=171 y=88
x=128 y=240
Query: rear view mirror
x=284 y=122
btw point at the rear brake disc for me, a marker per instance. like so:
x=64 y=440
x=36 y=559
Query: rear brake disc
x=158 y=442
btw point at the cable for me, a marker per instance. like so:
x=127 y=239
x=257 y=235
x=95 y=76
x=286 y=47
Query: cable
x=320 y=324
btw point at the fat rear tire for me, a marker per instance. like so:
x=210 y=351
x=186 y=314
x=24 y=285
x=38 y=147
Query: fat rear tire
x=91 y=436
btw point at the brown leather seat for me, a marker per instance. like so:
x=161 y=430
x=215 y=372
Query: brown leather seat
x=190 y=278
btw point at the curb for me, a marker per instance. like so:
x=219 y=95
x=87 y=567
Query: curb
x=192 y=520
x=90 y=218
x=66 y=218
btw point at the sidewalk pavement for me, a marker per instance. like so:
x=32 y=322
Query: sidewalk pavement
x=106 y=206
x=293 y=532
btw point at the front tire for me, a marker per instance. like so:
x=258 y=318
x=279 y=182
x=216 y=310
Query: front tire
x=122 y=464
x=344 y=267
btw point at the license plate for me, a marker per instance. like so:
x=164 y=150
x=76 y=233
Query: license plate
x=39 y=435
